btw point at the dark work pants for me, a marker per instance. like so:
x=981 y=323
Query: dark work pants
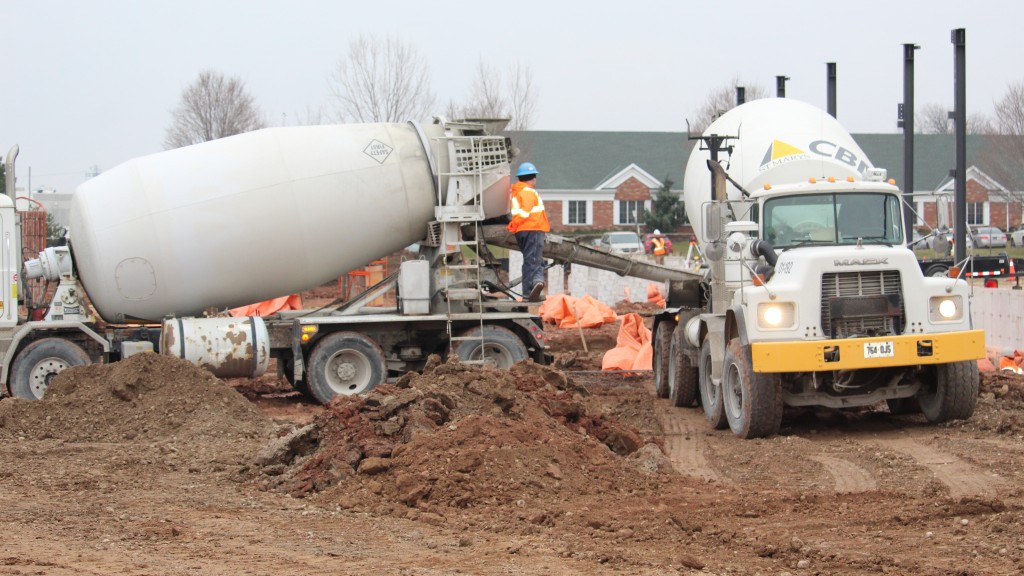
x=531 y=244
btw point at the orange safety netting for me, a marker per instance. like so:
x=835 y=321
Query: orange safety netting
x=654 y=295
x=633 y=350
x=268 y=307
x=562 y=310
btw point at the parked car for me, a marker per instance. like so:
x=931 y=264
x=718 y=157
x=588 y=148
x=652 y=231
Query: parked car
x=648 y=247
x=1017 y=235
x=622 y=242
x=988 y=237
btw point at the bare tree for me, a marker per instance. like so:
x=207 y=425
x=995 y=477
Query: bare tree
x=495 y=96
x=487 y=98
x=522 y=97
x=1003 y=154
x=721 y=100
x=381 y=81
x=934 y=119
x=212 y=107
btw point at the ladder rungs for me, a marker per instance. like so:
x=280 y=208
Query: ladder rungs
x=463 y=338
x=463 y=266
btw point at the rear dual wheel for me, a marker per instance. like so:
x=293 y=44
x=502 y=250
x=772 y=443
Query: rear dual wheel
x=662 y=354
x=345 y=363
x=682 y=373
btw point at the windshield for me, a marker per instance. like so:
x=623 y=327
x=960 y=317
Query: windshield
x=833 y=219
x=624 y=238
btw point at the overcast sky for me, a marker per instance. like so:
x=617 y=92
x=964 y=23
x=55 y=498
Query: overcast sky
x=92 y=83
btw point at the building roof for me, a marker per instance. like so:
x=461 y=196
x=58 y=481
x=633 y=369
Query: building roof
x=585 y=160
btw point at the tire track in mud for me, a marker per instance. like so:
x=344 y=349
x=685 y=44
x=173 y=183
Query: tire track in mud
x=685 y=444
x=849 y=477
x=960 y=478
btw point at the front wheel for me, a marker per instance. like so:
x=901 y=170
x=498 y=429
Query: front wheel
x=38 y=364
x=951 y=393
x=495 y=346
x=345 y=363
x=662 y=354
x=710 y=392
x=752 y=400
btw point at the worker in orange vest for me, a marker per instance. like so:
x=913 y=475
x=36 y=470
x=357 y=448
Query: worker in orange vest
x=658 y=246
x=530 y=225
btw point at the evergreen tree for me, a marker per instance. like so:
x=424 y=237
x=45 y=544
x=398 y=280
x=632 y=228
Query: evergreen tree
x=667 y=212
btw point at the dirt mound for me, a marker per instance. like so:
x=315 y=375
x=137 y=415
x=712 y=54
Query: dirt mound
x=1000 y=404
x=147 y=397
x=461 y=437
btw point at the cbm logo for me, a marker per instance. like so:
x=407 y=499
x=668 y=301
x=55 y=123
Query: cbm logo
x=780 y=152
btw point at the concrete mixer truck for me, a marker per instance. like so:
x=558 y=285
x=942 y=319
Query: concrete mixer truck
x=158 y=245
x=810 y=296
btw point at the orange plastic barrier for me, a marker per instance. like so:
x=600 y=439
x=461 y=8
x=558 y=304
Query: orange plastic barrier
x=633 y=350
x=561 y=310
x=268 y=307
x=654 y=295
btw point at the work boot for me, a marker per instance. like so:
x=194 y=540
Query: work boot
x=535 y=292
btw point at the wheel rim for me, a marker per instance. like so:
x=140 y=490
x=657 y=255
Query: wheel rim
x=712 y=391
x=349 y=372
x=494 y=355
x=733 y=392
x=673 y=373
x=44 y=372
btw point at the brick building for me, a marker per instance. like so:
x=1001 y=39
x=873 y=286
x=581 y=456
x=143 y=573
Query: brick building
x=597 y=181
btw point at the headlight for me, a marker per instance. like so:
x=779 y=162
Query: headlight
x=775 y=315
x=945 y=309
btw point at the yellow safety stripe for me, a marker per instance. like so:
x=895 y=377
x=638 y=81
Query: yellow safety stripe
x=849 y=354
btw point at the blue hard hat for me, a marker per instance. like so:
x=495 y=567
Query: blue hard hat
x=526 y=169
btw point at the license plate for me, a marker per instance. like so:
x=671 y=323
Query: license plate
x=879 y=350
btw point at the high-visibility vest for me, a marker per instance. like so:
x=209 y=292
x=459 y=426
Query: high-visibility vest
x=658 y=246
x=527 y=210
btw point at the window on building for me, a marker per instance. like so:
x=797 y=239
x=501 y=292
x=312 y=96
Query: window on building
x=630 y=212
x=975 y=213
x=576 y=212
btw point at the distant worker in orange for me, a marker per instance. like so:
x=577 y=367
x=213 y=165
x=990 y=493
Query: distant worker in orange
x=658 y=246
x=530 y=225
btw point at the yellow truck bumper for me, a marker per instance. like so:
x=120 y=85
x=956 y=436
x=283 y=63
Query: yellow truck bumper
x=856 y=353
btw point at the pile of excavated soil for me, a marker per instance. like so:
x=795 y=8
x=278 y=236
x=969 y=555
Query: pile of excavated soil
x=148 y=398
x=458 y=439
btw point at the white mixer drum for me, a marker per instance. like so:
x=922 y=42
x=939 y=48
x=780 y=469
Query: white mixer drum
x=250 y=217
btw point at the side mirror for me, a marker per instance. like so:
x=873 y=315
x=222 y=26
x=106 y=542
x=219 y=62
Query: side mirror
x=712 y=222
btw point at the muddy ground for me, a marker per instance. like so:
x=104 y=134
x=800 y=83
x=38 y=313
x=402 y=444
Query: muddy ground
x=153 y=467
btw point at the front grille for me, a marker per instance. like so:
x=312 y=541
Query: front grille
x=858 y=284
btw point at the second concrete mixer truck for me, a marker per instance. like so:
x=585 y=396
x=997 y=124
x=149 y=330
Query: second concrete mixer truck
x=157 y=243
x=810 y=296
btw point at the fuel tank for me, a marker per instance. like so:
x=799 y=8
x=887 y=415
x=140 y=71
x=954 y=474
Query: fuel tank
x=264 y=214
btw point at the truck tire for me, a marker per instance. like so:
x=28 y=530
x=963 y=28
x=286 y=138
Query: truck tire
x=501 y=347
x=662 y=348
x=710 y=393
x=752 y=400
x=37 y=365
x=952 y=392
x=682 y=373
x=344 y=363
x=937 y=271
